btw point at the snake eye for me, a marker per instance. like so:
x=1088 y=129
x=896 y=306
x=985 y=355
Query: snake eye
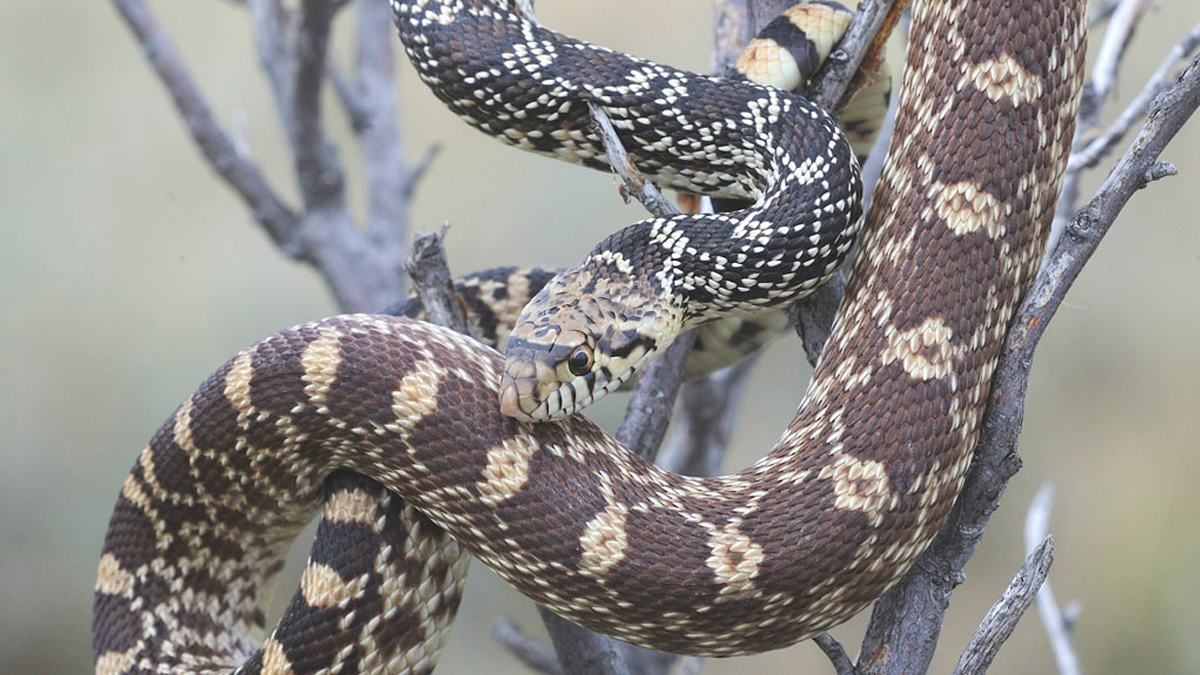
x=580 y=361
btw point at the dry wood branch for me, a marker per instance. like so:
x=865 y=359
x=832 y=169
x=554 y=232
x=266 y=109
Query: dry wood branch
x=431 y=278
x=239 y=173
x=842 y=664
x=1002 y=618
x=361 y=265
x=634 y=182
x=272 y=23
x=417 y=171
x=322 y=181
x=1057 y=626
x=1099 y=147
x=389 y=184
x=863 y=42
x=535 y=654
x=1125 y=18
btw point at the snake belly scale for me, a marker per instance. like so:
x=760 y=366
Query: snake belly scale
x=835 y=513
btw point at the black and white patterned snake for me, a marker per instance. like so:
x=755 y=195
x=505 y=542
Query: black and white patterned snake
x=835 y=513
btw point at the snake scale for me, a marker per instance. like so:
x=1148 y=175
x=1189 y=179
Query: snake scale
x=835 y=513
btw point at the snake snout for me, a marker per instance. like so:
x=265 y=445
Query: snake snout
x=527 y=384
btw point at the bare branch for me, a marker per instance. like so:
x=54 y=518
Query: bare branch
x=842 y=664
x=431 y=278
x=535 y=654
x=1124 y=21
x=863 y=41
x=1099 y=147
x=389 y=185
x=635 y=183
x=322 y=181
x=704 y=423
x=1002 y=618
x=272 y=23
x=351 y=102
x=1057 y=627
x=239 y=173
x=417 y=171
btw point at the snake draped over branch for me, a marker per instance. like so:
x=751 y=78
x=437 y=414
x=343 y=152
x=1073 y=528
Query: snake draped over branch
x=858 y=484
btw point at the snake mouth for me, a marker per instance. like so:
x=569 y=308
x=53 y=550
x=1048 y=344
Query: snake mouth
x=531 y=391
x=526 y=384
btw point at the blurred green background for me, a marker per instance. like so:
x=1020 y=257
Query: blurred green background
x=129 y=273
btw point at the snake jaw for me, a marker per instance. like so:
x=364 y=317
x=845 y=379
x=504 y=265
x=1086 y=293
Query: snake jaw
x=538 y=385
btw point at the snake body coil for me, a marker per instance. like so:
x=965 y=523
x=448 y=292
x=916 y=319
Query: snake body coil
x=857 y=486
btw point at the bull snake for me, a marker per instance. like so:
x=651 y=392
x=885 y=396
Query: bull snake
x=855 y=489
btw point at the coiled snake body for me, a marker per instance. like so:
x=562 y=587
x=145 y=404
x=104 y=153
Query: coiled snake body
x=857 y=486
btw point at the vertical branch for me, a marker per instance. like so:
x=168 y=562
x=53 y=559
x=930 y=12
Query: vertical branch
x=383 y=147
x=322 y=181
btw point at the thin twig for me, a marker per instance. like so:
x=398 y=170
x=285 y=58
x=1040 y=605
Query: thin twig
x=418 y=168
x=1001 y=620
x=1124 y=21
x=635 y=183
x=1037 y=521
x=1099 y=147
x=836 y=654
x=239 y=173
x=356 y=111
x=867 y=32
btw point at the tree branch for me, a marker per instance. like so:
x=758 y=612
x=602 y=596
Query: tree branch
x=322 y=181
x=239 y=173
x=1057 y=629
x=1098 y=148
x=863 y=44
x=1002 y=618
x=634 y=182
x=430 y=273
x=362 y=266
x=535 y=654
x=836 y=654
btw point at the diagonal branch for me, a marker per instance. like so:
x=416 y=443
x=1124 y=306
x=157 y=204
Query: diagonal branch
x=1054 y=621
x=239 y=173
x=322 y=181
x=1002 y=618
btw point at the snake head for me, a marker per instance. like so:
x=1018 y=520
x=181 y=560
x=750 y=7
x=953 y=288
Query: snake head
x=569 y=348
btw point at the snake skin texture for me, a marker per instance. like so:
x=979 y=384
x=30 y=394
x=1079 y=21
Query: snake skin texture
x=835 y=513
